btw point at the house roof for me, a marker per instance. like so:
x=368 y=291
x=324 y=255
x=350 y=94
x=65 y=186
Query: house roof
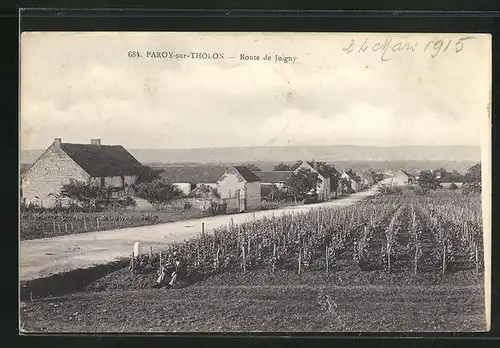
x=103 y=160
x=247 y=174
x=406 y=173
x=274 y=177
x=353 y=175
x=193 y=174
x=321 y=170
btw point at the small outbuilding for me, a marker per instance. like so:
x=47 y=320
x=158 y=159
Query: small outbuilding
x=239 y=187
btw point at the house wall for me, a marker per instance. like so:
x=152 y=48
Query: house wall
x=324 y=188
x=212 y=185
x=48 y=175
x=277 y=184
x=229 y=183
x=116 y=181
x=399 y=179
x=253 y=195
x=184 y=187
x=354 y=184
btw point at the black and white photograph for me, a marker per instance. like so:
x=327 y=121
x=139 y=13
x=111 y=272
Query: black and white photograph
x=203 y=182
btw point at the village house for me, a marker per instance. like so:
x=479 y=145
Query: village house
x=108 y=166
x=188 y=178
x=277 y=178
x=240 y=188
x=401 y=178
x=353 y=179
x=323 y=189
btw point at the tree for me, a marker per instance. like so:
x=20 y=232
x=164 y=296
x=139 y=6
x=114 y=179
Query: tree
x=147 y=174
x=159 y=192
x=427 y=181
x=253 y=167
x=472 y=179
x=302 y=182
x=86 y=193
x=376 y=177
x=296 y=165
x=282 y=167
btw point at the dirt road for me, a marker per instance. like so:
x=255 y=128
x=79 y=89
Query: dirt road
x=47 y=256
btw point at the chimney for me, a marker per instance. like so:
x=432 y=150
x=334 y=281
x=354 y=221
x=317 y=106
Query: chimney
x=57 y=143
x=95 y=142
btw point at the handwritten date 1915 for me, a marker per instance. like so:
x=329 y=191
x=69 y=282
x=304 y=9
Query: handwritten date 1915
x=388 y=47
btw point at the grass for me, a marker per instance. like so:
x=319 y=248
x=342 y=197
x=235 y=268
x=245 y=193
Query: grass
x=259 y=301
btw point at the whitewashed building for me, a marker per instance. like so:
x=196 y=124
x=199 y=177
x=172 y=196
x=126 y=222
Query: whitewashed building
x=240 y=188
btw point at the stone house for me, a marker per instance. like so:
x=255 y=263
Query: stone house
x=108 y=166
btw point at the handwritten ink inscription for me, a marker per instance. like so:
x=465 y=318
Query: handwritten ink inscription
x=389 y=47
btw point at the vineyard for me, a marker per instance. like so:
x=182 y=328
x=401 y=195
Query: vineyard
x=393 y=234
x=41 y=224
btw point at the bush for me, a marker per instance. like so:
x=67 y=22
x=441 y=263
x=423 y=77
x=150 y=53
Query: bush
x=453 y=186
x=386 y=190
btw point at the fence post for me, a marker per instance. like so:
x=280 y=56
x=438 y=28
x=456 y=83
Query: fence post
x=161 y=260
x=133 y=264
x=54 y=224
x=97 y=219
x=203 y=229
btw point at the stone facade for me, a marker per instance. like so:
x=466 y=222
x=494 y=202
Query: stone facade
x=43 y=181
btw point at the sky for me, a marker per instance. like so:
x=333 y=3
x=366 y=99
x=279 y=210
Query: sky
x=78 y=86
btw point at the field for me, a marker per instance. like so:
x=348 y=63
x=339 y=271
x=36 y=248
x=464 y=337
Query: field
x=43 y=224
x=393 y=263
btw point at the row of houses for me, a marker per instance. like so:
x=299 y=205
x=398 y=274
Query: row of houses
x=112 y=166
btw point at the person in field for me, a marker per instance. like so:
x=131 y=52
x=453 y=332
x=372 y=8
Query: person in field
x=175 y=268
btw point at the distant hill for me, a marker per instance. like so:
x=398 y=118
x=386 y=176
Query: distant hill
x=403 y=156
x=320 y=153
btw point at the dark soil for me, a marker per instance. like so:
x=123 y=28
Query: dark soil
x=259 y=301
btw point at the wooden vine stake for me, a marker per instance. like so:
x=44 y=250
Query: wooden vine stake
x=161 y=261
x=477 y=258
x=217 y=259
x=274 y=256
x=133 y=264
x=300 y=260
x=444 y=259
x=326 y=261
x=150 y=252
x=416 y=260
x=243 y=256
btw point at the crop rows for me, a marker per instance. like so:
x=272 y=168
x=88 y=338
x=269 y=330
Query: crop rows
x=394 y=234
x=40 y=224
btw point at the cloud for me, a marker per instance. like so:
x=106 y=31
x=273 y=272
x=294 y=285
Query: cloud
x=85 y=86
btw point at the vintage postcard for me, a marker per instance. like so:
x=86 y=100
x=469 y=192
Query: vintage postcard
x=255 y=182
